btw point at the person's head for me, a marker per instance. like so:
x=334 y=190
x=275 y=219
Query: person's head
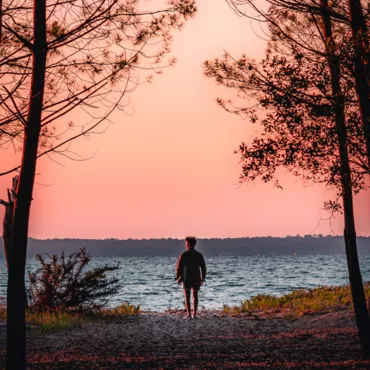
x=190 y=242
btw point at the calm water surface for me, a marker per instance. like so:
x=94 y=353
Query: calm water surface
x=149 y=281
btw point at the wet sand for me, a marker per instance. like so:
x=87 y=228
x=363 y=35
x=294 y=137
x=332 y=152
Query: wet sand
x=214 y=341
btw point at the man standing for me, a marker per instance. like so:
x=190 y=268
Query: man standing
x=191 y=272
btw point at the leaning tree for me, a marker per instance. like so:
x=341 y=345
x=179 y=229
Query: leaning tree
x=57 y=58
x=305 y=86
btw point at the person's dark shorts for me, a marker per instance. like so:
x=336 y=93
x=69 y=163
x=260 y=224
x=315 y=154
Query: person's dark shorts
x=191 y=286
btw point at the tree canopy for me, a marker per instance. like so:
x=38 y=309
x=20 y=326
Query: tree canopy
x=98 y=51
x=288 y=94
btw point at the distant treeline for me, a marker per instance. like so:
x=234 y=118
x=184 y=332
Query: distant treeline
x=301 y=245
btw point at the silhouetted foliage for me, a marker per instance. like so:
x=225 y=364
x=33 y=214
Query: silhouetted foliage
x=288 y=93
x=67 y=283
x=97 y=53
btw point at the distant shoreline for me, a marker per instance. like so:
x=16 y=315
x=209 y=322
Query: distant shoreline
x=269 y=246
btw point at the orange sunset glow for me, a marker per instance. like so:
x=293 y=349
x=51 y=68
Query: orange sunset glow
x=166 y=168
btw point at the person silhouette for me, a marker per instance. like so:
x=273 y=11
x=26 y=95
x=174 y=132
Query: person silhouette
x=191 y=272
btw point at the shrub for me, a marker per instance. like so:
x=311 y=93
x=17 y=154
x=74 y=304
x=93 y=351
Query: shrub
x=65 y=283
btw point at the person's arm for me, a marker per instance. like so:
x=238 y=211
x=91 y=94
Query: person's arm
x=179 y=268
x=203 y=267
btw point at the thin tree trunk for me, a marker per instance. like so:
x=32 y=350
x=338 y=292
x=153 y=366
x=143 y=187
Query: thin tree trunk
x=355 y=278
x=360 y=38
x=1 y=20
x=7 y=228
x=8 y=217
x=16 y=328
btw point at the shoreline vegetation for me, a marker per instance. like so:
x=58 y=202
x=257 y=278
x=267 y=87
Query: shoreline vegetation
x=293 y=305
x=59 y=320
x=299 y=302
x=248 y=246
x=305 y=329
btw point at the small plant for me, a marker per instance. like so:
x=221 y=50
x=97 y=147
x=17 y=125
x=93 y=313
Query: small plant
x=124 y=309
x=2 y=311
x=171 y=309
x=65 y=284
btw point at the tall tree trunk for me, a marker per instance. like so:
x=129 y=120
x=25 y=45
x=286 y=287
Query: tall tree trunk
x=360 y=38
x=357 y=288
x=16 y=328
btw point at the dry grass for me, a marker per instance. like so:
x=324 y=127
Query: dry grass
x=53 y=321
x=299 y=302
x=124 y=309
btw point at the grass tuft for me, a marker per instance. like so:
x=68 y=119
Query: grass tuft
x=124 y=309
x=2 y=312
x=56 y=320
x=299 y=302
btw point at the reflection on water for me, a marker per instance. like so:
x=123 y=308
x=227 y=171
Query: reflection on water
x=150 y=281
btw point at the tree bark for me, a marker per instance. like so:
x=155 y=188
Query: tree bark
x=8 y=217
x=16 y=328
x=355 y=278
x=360 y=37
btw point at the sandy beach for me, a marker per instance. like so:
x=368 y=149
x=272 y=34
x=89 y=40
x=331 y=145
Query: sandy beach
x=214 y=341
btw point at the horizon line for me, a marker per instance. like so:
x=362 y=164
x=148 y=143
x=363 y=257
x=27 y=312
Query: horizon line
x=200 y=238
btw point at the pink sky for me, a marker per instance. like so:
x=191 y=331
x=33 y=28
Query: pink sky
x=169 y=170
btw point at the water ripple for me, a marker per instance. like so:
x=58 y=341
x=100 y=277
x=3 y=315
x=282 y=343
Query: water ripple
x=149 y=281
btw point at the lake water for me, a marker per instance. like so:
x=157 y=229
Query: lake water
x=149 y=281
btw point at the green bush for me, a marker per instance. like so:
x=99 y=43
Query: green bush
x=66 y=284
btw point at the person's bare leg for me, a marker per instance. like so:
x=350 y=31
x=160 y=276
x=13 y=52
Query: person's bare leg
x=195 y=299
x=187 y=302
